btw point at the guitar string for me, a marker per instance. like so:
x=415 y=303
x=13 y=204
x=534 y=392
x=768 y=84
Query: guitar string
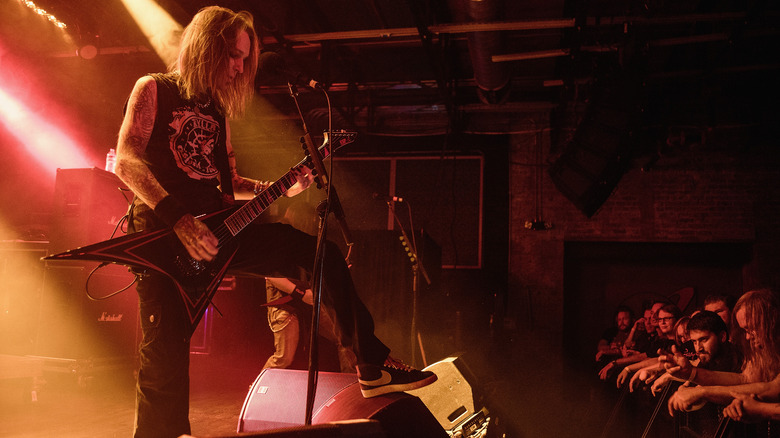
x=243 y=218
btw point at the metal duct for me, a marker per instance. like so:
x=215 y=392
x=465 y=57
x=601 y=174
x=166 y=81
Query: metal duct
x=492 y=78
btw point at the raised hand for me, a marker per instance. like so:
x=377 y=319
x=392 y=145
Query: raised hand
x=675 y=363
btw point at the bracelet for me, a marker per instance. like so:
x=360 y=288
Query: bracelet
x=260 y=186
x=170 y=210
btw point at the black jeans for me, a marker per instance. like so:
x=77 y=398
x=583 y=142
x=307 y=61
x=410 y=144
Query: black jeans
x=162 y=402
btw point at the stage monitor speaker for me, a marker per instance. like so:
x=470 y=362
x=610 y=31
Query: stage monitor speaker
x=343 y=429
x=88 y=203
x=454 y=402
x=278 y=399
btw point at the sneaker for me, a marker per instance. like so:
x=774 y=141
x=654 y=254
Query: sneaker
x=392 y=376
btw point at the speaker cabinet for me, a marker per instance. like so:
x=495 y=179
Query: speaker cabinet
x=88 y=204
x=21 y=285
x=452 y=399
x=592 y=164
x=401 y=415
x=277 y=399
x=71 y=325
x=345 y=429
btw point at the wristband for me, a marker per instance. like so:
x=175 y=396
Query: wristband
x=297 y=294
x=169 y=210
x=690 y=376
x=693 y=375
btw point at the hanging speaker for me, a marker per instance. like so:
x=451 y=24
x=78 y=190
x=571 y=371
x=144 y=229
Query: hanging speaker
x=594 y=161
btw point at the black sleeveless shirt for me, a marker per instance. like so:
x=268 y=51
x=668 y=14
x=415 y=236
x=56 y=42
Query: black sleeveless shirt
x=184 y=153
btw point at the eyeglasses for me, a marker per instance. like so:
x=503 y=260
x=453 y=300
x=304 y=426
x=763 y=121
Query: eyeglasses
x=667 y=318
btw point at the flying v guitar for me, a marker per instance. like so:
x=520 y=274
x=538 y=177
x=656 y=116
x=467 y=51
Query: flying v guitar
x=160 y=249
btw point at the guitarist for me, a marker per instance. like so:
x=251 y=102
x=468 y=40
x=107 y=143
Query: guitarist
x=174 y=152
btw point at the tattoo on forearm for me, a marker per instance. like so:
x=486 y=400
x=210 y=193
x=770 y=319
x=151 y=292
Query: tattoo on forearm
x=133 y=140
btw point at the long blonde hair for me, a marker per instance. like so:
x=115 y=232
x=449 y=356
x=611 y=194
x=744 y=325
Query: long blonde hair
x=204 y=56
x=762 y=316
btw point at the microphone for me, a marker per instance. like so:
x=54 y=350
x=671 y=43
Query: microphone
x=386 y=198
x=272 y=64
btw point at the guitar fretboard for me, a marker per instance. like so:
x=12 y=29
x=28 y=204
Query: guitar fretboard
x=254 y=208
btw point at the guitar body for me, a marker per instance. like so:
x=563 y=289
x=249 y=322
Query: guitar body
x=160 y=250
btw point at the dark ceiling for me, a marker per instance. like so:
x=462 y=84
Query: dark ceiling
x=430 y=66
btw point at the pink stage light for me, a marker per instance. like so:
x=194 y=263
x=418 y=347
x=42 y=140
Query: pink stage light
x=45 y=141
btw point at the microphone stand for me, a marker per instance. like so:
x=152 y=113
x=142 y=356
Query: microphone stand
x=331 y=203
x=417 y=269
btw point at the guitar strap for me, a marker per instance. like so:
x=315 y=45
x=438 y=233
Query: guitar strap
x=225 y=180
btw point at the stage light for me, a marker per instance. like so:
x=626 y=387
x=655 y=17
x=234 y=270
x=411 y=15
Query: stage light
x=45 y=142
x=160 y=29
x=87 y=51
x=42 y=12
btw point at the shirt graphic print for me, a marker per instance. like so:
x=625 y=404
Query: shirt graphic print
x=193 y=137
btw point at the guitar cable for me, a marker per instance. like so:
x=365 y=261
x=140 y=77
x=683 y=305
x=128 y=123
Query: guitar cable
x=123 y=221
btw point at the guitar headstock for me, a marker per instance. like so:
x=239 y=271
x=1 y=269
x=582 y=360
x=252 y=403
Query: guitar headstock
x=339 y=139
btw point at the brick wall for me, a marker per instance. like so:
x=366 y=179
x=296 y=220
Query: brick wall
x=727 y=201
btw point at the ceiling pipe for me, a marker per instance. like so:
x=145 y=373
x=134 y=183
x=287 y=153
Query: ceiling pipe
x=492 y=78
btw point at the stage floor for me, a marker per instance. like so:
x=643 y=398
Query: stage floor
x=103 y=405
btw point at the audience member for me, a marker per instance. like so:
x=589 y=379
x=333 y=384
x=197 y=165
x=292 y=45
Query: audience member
x=612 y=340
x=666 y=316
x=710 y=338
x=642 y=332
x=757 y=330
x=682 y=340
x=722 y=305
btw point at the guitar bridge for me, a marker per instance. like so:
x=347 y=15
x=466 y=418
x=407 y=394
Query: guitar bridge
x=189 y=266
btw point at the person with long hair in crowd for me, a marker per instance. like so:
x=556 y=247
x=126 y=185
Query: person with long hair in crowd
x=756 y=331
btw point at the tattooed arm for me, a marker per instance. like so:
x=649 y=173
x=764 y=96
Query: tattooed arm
x=243 y=184
x=132 y=170
x=240 y=183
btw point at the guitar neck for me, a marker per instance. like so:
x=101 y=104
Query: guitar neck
x=254 y=208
